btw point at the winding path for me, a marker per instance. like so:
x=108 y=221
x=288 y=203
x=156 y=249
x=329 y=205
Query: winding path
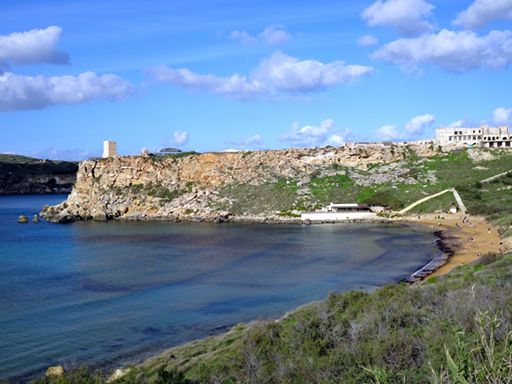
x=458 y=199
x=489 y=179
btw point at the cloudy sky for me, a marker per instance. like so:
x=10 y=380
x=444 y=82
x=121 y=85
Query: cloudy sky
x=210 y=75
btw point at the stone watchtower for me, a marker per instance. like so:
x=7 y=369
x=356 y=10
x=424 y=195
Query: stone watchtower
x=109 y=149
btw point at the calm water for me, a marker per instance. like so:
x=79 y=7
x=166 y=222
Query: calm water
x=109 y=293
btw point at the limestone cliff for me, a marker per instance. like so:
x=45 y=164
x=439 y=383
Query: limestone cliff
x=204 y=186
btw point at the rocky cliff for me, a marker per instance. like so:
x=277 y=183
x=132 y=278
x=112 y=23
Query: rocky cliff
x=26 y=175
x=211 y=186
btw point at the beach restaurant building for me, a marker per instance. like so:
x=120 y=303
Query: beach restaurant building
x=342 y=212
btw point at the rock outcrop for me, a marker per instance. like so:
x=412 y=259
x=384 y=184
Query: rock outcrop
x=189 y=186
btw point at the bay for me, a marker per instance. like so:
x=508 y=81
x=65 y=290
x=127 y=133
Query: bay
x=106 y=294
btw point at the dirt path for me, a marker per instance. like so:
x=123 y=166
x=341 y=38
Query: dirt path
x=472 y=237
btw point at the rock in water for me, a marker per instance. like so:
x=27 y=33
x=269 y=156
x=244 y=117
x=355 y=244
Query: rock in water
x=35 y=219
x=55 y=371
x=22 y=219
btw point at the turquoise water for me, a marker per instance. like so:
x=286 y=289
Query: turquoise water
x=110 y=293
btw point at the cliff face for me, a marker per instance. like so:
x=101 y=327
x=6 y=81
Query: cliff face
x=197 y=185
x=25 y=175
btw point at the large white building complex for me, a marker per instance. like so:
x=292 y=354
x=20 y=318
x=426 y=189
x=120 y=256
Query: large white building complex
x=485 y=136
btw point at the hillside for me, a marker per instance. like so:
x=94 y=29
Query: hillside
x=450 y=329
x=190 y=186
x=277 y=185
x=27 y=175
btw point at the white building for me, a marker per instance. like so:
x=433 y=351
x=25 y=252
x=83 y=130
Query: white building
x=342 y=212
x=109 y=149
x=485 y=136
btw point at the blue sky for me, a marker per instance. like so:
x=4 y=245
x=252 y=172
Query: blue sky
x=216 y=75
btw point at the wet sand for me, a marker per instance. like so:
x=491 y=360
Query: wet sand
x=467 y=238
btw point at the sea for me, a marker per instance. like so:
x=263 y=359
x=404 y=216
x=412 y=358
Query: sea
x=106 y=294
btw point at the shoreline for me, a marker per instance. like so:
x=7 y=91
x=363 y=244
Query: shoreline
x=445 y=244
x=449 y=240
x=462 y=239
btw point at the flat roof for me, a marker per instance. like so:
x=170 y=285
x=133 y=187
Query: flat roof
x=352 y=205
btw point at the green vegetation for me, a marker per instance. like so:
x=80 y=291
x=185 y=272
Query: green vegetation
x=17 y=159
x=22 y=174
x=254 y=199
x=453 y=329
x=24 y=165
x=441 y=203
x=394 y=185
x=177 y=155
x=492 y=200
x=160 y=191
x=330 y=188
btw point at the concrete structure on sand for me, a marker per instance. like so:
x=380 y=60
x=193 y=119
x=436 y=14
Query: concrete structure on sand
x=342 y=212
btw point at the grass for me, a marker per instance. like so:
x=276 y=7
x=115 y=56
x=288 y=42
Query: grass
x=415 y=178
x=330 y=188
x=255 y=199
x=177 y=155
x=23 y=165
x=439 y=204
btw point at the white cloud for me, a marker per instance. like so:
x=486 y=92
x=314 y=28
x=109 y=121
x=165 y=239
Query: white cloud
x=453 y=51
x=335 y=140
x=236 y=86
x=323 y=134
x=502 y=116
x=72 y=154
x=414 y=128
x=279 y=73
x=244 y=37
x=367 y=40
x=417 y=125
x=34 y=46
x=26 y=92
x=388 y=132
x=180 y=137
x=254 y=141
x=406 y=16
x=481 y=12
x=275 y=34
x=286 y=73
x=457 y=124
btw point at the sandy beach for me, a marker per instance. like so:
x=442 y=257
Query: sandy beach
x=468 y=236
